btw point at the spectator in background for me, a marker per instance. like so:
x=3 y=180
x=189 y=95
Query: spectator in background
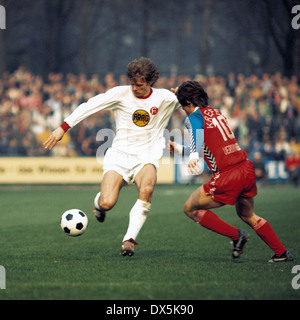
x=259 y=169
x=282 y=147
x=257 y=108
x=292 y=164
x=268 y=151
x=231 y=84
x=255 y=123
x=290 y=120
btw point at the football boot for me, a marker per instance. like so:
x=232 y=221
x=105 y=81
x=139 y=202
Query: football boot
x=99 y=214
x=238 y=245
x=127 y=248
x=285 y=257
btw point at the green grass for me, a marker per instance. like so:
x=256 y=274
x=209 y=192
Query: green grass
x=176 y=259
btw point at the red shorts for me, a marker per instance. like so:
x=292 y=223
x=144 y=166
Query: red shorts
x=228 y=185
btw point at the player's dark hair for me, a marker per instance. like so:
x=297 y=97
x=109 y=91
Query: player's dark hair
x=193 y=92
x=143 y=68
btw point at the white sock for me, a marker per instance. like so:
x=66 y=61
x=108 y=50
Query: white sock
x=96 y=201
x=137 y=218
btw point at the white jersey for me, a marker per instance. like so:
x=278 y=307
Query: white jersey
x=140 y=123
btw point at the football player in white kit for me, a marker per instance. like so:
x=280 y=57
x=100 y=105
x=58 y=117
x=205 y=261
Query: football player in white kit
x=141 y=114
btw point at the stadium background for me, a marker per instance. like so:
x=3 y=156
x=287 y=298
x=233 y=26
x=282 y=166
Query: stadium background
x=248 y=63
x=55 y=55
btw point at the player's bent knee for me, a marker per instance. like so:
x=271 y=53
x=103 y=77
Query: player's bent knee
x=245 y=218
x=250 y=218
x=187 y=210
x=107 y=204
x=146 y=193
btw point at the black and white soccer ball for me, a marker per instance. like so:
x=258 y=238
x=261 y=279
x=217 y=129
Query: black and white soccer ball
x=74 y=222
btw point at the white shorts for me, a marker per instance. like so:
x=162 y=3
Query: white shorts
x=127 y=165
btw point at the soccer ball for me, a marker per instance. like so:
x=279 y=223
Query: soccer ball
x=74 y=222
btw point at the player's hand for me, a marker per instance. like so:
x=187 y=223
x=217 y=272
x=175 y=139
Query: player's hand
x=174 y=147
x=55 y=136
x=174 y=90
x=194 y=167
x=171 y=147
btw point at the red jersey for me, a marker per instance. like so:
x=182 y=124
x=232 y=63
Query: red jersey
x=220 y=147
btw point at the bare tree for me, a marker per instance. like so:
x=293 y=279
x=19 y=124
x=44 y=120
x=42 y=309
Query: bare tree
x=117 y=9
x=145 y=28
x=182 y=29
x=2 y=51
x=83 y=38
x=286 y=38
x=252 y=36
x=206 y=28
x=56 y=16
x=4 y=3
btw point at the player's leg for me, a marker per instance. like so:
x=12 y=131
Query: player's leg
x=105 y=200
x=197 y=208
x=145 y=181
x=244 y=208
x=199 y=200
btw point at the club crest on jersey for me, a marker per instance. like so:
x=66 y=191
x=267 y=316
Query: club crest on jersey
x=141 y=118
x=154 y=111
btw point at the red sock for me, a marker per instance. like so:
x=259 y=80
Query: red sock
x=267 y=234
x=211 y=221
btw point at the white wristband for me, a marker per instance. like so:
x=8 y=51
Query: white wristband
x=194 y=155
x=178 y=148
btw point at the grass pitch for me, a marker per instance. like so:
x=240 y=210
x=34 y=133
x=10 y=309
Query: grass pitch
x=176 y=259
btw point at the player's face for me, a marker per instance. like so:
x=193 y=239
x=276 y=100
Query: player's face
x=189 y=109
x=140 y=88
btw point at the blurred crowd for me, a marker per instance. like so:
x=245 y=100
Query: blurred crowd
x=264 y=112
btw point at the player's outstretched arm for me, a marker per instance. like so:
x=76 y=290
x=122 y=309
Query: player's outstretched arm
x=174 y=90
x=175 y=148
x=54 y=137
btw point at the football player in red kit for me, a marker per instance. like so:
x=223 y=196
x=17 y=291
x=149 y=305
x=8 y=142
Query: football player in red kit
x=233 y=180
